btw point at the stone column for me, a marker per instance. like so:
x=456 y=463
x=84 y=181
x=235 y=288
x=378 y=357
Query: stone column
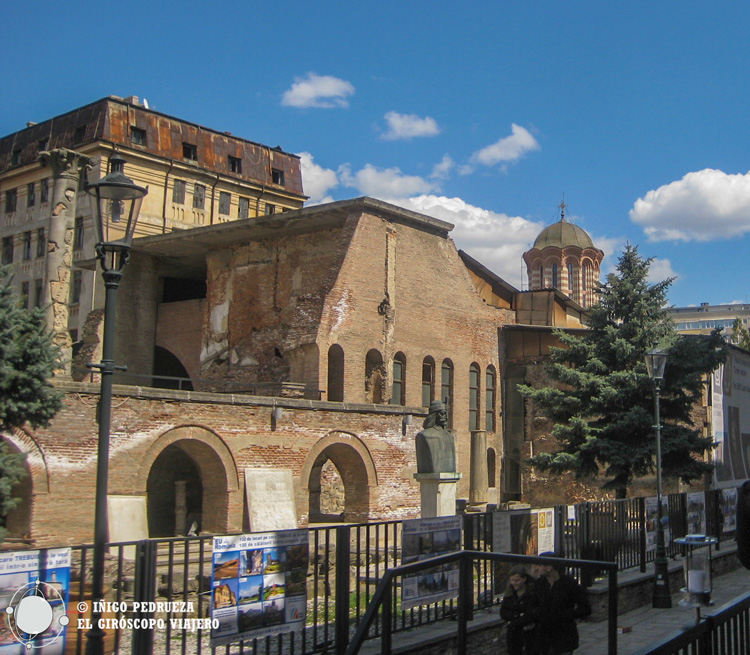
x=66 y=172
x=180 y=507
x=478 y=480
x=438 y=492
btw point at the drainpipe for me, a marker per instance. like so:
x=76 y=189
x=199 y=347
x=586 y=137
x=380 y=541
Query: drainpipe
x=164 y=204
x=213 y=197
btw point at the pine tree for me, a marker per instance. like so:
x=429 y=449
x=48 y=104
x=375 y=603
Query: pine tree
x=28 y=359
x=602 y=406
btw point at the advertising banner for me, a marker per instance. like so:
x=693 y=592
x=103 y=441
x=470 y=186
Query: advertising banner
x=34 y=589
x=729 y=509
x=523 y=532
x=652 y=521
x=258 y=585
x=730 y=419
x=696 y=513
x=423 y=539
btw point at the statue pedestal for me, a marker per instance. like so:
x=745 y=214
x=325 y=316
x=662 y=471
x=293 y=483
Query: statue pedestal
x=438 y=491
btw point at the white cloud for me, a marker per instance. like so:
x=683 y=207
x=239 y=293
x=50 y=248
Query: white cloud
x=702 y=206
x=660 y=270
x=384 y=183
x=315 y=90
x=316 y=180
x=408 y=126
x=442 y=169
x=508 y=149
x=496 y=240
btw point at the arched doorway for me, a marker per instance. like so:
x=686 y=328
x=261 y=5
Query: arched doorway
x=190 y=477
x=340 y=476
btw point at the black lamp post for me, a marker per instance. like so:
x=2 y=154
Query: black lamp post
x=656 y=361
x=118 y=202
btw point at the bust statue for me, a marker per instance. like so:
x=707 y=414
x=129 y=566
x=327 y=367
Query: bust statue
x=436 y=450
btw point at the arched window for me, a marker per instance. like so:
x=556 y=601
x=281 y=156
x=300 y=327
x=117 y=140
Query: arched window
x=428 y=381
x=554 y=276
x=474 y=373
x=374 y=377
x=490 y=381
x=398 y=392
x=571 y=281
x=446 y=388
x=336 y=373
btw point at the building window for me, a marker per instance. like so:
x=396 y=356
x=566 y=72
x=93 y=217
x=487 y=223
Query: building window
x=11 y=198
x=336 y=373
x=137 y=136
x=277 y=176
x=270 y=209
x=199 y=196
x=428 y=381
x=571 y=281
x=15 y=158
x=25 y=295
x=75 y=288
x=554 y=276
x=374 y=377
x=42 y=145
x=26 y=246
x=78 y=234
x=80 y=134
x=235 y=164
x=178 y=192
x=83 y=179
x=474 y=397
x=45 y=190
x=225 y=200
x=7 y=256
x=490 y=382
x=30 y=194
x=41 y=242
x=38 y=293
x=491 y=468
x=189 y=151
x=446 y=388
x=398 y=395
x=243 y=210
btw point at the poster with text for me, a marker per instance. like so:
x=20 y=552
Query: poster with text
x=652 y=520
x=40 y=579
x=696 y=513
x=258 y=585
x=424 y=539
x=730 y=419
x=729 y=509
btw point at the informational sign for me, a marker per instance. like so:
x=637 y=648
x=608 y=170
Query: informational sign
x=729 y=509
x=259 y=585
x=652 y=521
x=730 y=419
x=423 y=539
x=696 y=513
x=34 y=588
x=523 y=532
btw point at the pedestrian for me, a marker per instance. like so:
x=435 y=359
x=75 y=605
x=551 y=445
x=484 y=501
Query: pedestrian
x=561 y=601
x=520 y=610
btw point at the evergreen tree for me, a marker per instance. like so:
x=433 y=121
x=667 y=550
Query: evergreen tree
x=28 y=359
x=603 y=408
x=740 y=334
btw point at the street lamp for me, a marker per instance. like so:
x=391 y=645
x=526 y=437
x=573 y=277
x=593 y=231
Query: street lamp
x=656 y=361
x=118 y=203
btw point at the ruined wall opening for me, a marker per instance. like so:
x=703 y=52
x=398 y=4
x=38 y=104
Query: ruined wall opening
x=374 y=377
x=338 y=486
x=167 y=367
x=336 y=373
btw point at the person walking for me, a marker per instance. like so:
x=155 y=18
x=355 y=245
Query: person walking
x=561 y=601
x=520 y=610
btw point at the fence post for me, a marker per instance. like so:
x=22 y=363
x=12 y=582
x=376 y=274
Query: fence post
x=343 y=563
x=144 y=592
x=642 y=522
x=465 y=599
x=468 y=523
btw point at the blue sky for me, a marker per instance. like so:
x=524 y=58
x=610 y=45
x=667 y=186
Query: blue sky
x=483 y=114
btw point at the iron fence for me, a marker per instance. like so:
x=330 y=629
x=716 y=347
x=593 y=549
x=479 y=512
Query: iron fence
x=347 y=562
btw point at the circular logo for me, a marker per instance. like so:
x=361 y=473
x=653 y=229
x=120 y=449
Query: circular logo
x=36 y=614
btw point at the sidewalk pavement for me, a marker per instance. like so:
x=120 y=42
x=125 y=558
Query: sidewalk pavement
x=649 y=626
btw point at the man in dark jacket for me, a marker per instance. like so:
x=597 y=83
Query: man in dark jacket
x=561 y=600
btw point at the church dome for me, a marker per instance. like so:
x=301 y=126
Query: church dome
x=561 y=235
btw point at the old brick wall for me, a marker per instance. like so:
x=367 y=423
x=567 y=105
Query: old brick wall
x=222 y=434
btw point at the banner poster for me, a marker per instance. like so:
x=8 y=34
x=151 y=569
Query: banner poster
x=730 y=419
x=729 y=509
x=696 y=513
x=34 y=590
x=258 y=585
x=423 y=539
x=652 y=518
x=546 y=522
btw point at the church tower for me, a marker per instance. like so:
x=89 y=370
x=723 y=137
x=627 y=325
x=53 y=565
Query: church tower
x=564 y=257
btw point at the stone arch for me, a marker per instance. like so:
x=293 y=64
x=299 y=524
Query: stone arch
x=197 y=456
x=354 y=464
